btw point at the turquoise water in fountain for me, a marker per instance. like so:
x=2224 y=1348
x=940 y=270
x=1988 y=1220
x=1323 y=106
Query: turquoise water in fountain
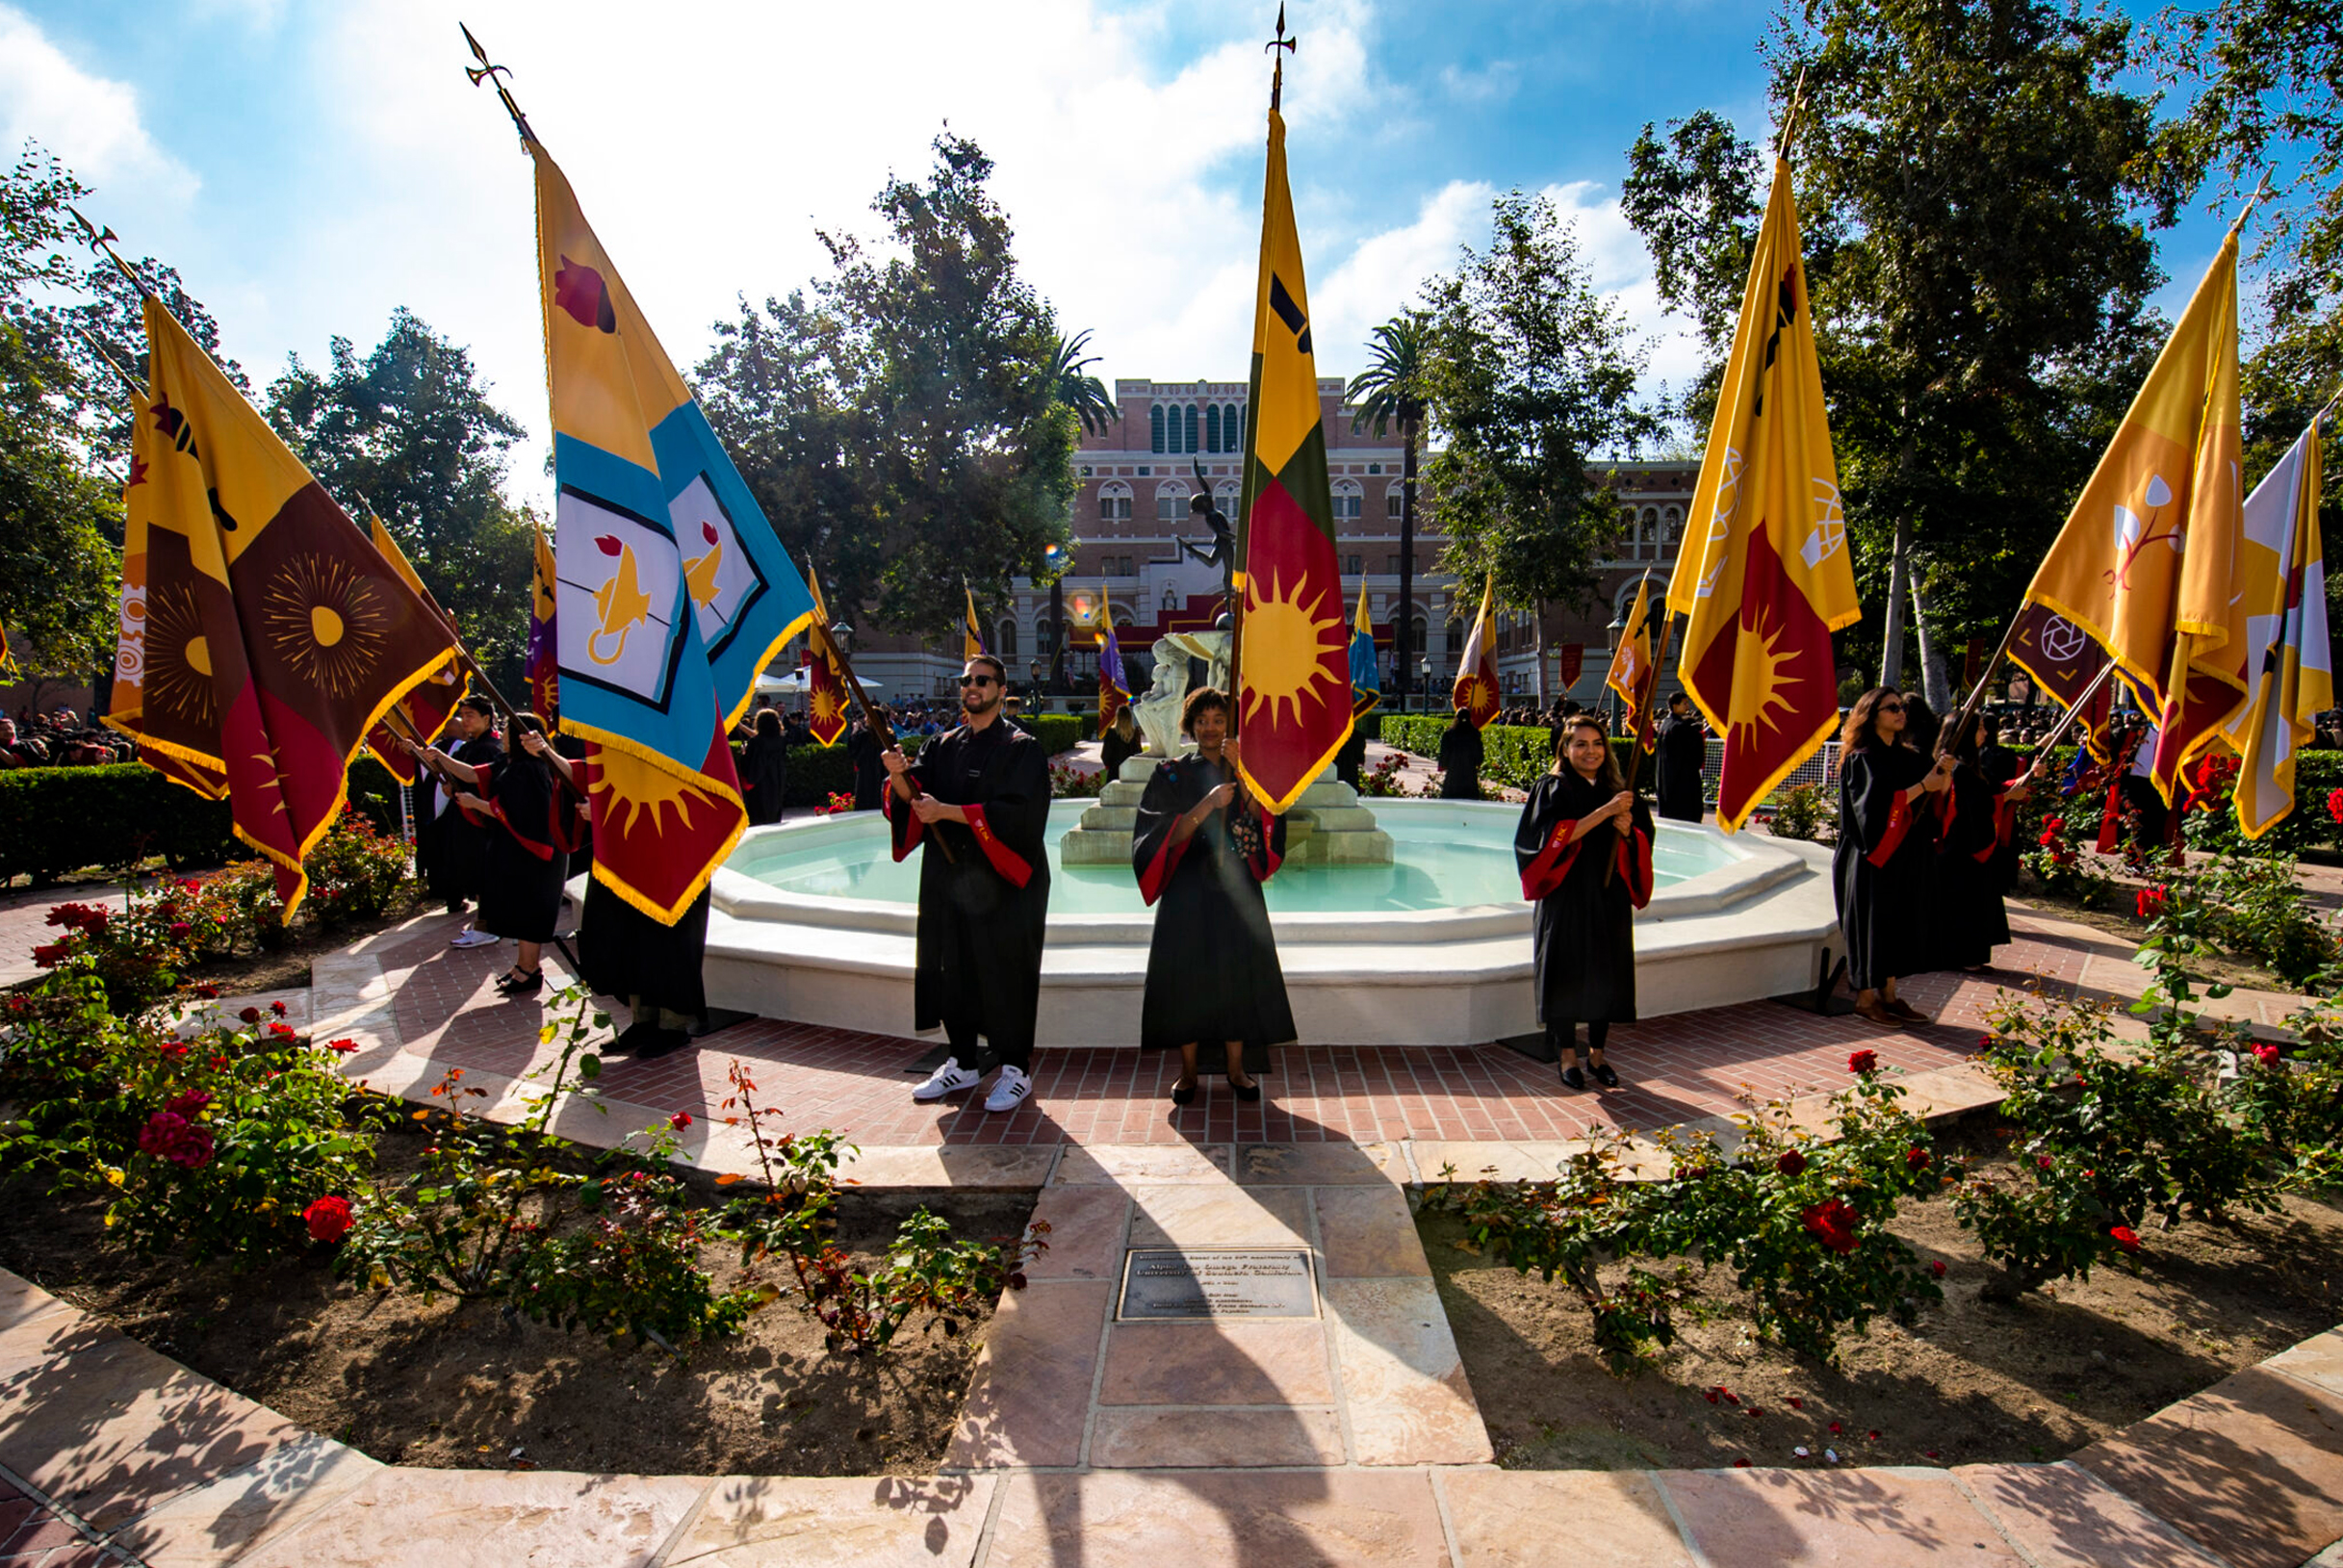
x=1442 y=858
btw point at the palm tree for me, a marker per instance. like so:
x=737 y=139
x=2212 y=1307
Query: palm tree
x=1389 y=391
x=1077 y=389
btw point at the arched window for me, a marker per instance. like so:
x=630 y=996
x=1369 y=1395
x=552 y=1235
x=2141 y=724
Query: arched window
x=1622 y=604
x=1114 y=502
x=1395 y=499
x=1671 y=530
x=1171 y=598
x=1043 y=637
x=1350 y=501
x=1193 y=428
x=1155 y=427
x=1238 y=422
x=1647 y=537
x=1170 y=502
x=1212 y=426
x=1004 y=640
x=1228 y=496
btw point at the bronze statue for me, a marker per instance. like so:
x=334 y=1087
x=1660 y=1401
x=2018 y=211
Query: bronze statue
x=1223 y=551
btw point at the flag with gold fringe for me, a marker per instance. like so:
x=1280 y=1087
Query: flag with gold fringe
x=542 y=658
x=1763 y=577
x=1474 y=691
x=1293 y=663
x=1634 y=665
x=671 y=592
x=1366 y=675
x=972 y=630
x=431 y=705
x=271 y=634
x=825 y=674
x=2284 y=575
x=2144 y=566
x=1114 y=686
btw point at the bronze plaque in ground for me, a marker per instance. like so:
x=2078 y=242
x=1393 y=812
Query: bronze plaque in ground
x=1217 y=1282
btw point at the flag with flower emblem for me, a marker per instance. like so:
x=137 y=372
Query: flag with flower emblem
x=2144 y=566
x=671 y=592
x=271 y=635
x=825 y=674
x=1475 y=689
x=1294 y=660
x=2283 y=574
x=1763 y=577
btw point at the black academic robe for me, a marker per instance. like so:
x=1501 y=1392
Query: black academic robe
x=1683 y=749
x=1113 y=751
x=869 y=773
x=531 y=818
x=1460 y=753
x=2001 y=766
x=764 y=778
x=457 y=844
x=1351 y=760
x=983 y=914
x=627 y=954
x=1881 y=871
x=1212 y=967
x=1972 y=823
x=1586 y=890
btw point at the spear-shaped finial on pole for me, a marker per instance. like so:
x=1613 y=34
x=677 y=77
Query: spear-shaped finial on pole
x=1790 y=119
x=1276 y=81
x=494 y=75
x=2253 y=201
x=101 y=241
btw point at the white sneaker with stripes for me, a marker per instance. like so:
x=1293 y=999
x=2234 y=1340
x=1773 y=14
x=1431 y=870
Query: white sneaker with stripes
x=1009 y=1089
x=948 y=1079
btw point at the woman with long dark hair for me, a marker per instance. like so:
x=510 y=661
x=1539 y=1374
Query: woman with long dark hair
x=1881 y=868
x=1201 y=848
x=765 y=769
x=525 y=798
x=1585 y=851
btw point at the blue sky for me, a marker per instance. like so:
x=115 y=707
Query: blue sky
x=308 y=166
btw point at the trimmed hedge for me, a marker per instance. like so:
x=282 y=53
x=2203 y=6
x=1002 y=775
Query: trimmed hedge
x=819 y=772
x=54 y=821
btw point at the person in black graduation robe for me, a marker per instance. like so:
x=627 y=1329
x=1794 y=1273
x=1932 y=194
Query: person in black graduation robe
x=1974 y=822
x=1201 y=848
x=2000 y=766
x=652 y=968
x=1461 y=755
x=1350 y=761
x=1683 y=752
x=524 y=798
x=1881 y=868
x=982 y=791
x=1583 y=849
x=1119 y=743
x=455 y=846
x=869 y=774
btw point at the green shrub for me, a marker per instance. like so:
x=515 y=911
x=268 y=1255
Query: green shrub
x=1800 y=811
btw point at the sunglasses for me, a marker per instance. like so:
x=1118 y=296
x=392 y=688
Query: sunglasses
x=977 y=680
x=1890 y=707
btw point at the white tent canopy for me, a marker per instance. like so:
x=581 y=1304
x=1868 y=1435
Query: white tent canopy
x=795 y=684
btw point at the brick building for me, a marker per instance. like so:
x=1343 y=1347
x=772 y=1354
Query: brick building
x=1131 y=510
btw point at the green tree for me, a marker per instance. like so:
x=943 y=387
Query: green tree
x=1391 y=390
x=59 y=572
x=1079 y=390
x=1973 y=183
x=916 y=401
x=409 y=433
x=1530 y=374
x=103 y=334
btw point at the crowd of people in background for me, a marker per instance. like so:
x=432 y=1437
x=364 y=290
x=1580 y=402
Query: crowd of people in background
x=60 y=740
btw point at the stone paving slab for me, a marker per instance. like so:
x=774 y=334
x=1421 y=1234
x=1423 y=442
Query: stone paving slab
x=1241 y=1519
x=1883 y=1518
x=1033 y=1379
x=2252 y=1469
x=2061 y=1516
x=218 y=1523
x=487 y=1519
x=1521 y=1518
x=846 y=1521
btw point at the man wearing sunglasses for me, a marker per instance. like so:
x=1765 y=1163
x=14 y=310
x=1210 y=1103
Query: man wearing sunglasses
x=980 y=791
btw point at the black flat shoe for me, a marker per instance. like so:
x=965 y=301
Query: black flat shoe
x=1183 y=1096
x=1605 y=1076
x=514 y=986
x=1573 y=1078
x=662 y=1042
x=1247 y=1093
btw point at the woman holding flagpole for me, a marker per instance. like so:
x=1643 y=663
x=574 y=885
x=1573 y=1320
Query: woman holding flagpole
x=523 y=799
x=1585 y=851
x=1201 y=848
x=1882 y=863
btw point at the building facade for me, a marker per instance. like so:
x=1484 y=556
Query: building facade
x=1131 y=514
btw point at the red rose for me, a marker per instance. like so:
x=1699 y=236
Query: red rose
x=2266 y=1055
x=328 y=1218
x=180 y=929
x=2043 y=1162
x=1936 y=1269
x=49 y=954
x=188 y=1103
x=1917 y=1159
x=2149 y=902
x=210 y=994
x=1790 y=1163
x=170 y=1136
x=250 y=1014
x=1861 y=1063
x=277 y=1008
x=342 y=1047
x=1834 y=1224
x=2124 y=1237
x=680 y=1120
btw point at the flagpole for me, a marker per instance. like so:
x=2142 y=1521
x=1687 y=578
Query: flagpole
x=494 y=76
x=2082 y=701
x=129 y=381
x=1951 y=733
x=881 y=731
x=446 y=623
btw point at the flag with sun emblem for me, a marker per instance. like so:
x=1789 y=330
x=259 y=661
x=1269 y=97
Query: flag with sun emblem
x=1763 y=577
x=825 y=675
x=2143 y=566
x=1294 y=663
x=431 y=705
x=1635 y=665
x=671 y=592
x=1474 y=691
x=272 y=635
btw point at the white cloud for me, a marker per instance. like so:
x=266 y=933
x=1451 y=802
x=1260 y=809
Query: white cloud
x=89 y=122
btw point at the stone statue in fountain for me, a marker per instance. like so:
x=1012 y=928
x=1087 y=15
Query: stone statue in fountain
x=1159 y=709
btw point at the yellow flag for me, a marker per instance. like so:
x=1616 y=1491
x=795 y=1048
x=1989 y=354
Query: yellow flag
x=2283 y=574
x=2145 y=564
x=972 y=630
x=1764 y=578
x=1475 y=689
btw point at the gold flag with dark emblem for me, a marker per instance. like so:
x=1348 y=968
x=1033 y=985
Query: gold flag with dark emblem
x=274 y=634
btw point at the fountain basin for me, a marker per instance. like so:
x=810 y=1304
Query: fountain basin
x=813 y=921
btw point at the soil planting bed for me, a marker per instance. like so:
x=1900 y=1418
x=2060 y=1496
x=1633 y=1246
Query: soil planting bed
x=1972 y=1382
x=453 y=1385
